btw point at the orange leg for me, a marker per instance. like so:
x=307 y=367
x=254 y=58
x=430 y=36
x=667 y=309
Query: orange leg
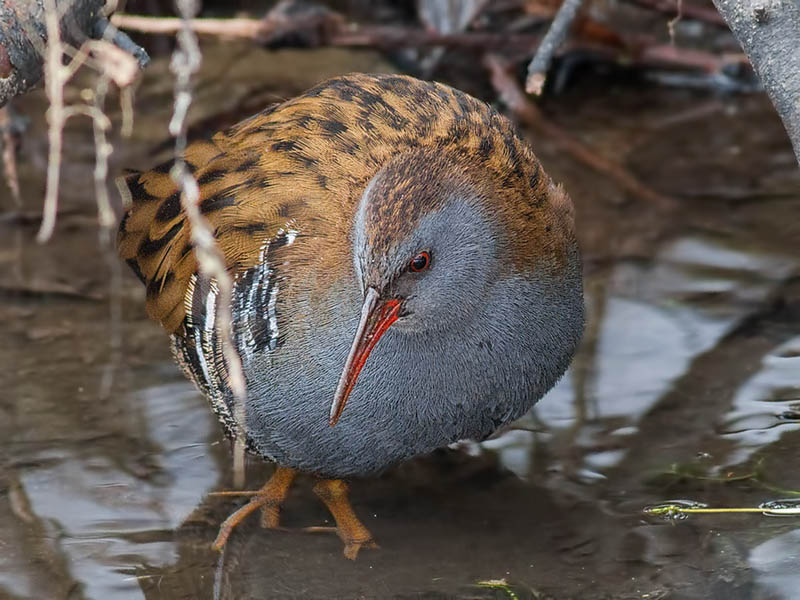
x=333 y=492
x=269 y=498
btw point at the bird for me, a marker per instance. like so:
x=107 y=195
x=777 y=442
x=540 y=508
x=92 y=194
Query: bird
x=405 y=276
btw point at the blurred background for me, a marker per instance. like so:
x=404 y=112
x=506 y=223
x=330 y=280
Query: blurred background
x=686 y=386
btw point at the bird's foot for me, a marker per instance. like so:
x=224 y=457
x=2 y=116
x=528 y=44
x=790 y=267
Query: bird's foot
x=333 y=492
x=352 y=547
x=269 y=498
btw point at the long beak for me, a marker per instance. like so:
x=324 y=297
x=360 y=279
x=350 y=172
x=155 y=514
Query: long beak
x=376 y=317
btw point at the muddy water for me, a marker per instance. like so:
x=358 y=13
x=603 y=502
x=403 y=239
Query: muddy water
x=687 y=386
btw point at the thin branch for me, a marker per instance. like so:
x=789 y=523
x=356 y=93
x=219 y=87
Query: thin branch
x=687 y=10
x=669 y=55
x=54 y=80
x=126 y=108
x=112 y=64
x=24 y=32
x=526 y=111
x=9 y=156
x=185 y=62
x=540 y=63
x=92 y=112
x=341 y=34
x=236 y=28
x=641 y=51
x=673 y=22
x=102 y=151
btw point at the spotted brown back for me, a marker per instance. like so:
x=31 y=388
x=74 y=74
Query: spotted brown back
x=308 y=160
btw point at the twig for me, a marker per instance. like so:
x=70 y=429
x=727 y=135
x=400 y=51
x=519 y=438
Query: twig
x=54 y=79
x=120 y=66
x=102 y=150
x=670 y=510
x=514 y=98
x=688 y=10
x=185 y=62
x=674 y=21
x=24 y=32
x=237 y=28
x=106 y=386
x=123 y=72
x=500 y=585
x=112 y=63
x=36 y=288
x=345 y=34
x=646 y=53
x=540 y=63
x=670 y=55
x=9 y=154
x=102 y=28
x=126 y=108
x=642 y=52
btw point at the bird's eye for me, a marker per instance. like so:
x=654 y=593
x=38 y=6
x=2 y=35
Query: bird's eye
x=420 y=262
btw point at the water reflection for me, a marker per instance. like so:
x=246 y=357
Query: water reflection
x=775 y=563
x=755 y=419
x=102 y=514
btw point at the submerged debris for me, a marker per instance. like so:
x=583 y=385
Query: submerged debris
x=678 y=510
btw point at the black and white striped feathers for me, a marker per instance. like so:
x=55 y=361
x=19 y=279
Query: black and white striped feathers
x=254 y=308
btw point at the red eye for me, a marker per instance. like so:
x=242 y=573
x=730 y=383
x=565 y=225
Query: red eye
x=420 y=262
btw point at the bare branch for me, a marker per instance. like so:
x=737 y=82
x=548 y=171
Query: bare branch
x=24 y=32
x=54 y=80
x=540 y=63
x=689 y=11
x=673 y=22
x=185 y=62
x=341 y=34
x=9 y=156
x=235 y=27
x=102 y=150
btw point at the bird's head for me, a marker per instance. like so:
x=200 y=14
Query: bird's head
x=427 y=244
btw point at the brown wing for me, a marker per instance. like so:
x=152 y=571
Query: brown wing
x=154 y=234
x=235 y=198
x=307 y=162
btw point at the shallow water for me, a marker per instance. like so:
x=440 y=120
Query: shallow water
x=687 y=386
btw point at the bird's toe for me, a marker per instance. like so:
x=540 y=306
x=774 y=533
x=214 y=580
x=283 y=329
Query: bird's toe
x=352 y=547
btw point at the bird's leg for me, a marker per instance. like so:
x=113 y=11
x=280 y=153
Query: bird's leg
x=333 y=492
x=269 y=498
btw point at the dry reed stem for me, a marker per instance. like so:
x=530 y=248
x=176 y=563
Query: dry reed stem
x=54 y=80
x=540 y=63
x=341 y=35
x=111 y=63
x=9 y=157
x=186 y=61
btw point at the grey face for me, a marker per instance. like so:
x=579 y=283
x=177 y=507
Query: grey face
x=425 y=263
x=462 y=251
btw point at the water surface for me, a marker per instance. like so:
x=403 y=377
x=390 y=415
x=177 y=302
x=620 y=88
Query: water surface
x=687 y=386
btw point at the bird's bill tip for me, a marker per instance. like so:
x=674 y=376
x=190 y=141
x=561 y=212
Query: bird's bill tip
x=377 y=316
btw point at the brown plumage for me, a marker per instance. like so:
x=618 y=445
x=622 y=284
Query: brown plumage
x=367 y=173
x=309 y=159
